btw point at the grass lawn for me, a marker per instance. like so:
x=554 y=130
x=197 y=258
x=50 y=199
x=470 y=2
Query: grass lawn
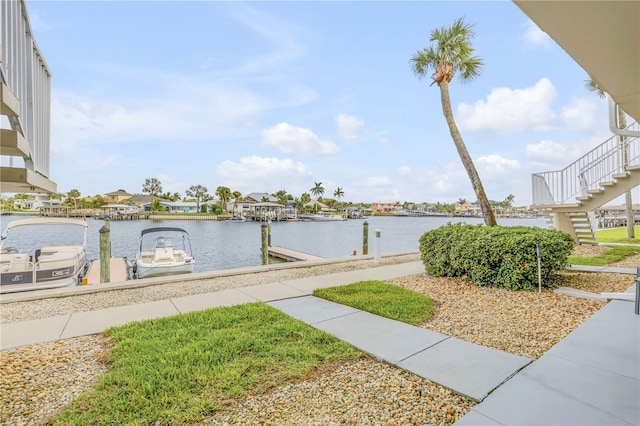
x=617 y=235
x=382 y=299
x=179 y=369
x=614 y=254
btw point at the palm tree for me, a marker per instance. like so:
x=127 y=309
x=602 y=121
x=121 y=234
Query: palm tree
x=224 y=194
x=317 y=190
x=305 y=198
x=451 y=51
x=197 y=192
x=622 y=123
x=237 y=197
x=152 y=186
x=74 y=194
x=338 y=193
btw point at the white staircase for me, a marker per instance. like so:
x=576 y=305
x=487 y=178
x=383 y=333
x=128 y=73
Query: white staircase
x=571 y=195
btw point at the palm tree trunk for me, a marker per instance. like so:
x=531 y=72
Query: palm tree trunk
x=467 y=162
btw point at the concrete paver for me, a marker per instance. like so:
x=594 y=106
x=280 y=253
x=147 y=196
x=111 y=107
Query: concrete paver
x=309 y=284
x=199 y=302
x=274 y=291
x=34 y=331
x=465 y=367
x=591 y=377
x=83 y=323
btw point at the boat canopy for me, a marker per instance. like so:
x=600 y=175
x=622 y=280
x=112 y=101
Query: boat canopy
x=161 y=229
x=47 y=221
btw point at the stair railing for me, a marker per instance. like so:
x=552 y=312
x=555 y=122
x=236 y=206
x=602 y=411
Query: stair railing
x=598 y=165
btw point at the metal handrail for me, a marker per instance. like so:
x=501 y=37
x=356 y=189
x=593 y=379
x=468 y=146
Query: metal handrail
x=599 y=165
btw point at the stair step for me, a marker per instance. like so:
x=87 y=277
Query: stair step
x=607 y=184
x=584 y=198
x=633 y=167
x=595 y=191
x=621 y=175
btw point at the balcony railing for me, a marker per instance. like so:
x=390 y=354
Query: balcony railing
x=599 y=165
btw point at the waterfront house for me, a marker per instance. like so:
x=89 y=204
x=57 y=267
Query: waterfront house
x=383 y=207
x=116 y=197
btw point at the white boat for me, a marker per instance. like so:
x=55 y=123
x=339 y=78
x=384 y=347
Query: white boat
x=160 y=254
x=47 y=266
x=320 y=217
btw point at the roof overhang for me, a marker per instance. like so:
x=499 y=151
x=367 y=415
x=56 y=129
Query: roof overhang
x=603 y=37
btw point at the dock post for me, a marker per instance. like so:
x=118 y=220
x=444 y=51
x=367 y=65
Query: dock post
x=265 y=247
x=269 y=233
x=105 y=254
x=365 y=238
x=376 y=255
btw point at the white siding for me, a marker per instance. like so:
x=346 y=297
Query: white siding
x=25 y=72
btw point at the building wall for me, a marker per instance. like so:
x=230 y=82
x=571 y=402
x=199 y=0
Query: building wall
x=25 y=72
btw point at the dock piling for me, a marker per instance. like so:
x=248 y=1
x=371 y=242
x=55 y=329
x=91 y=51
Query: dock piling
x=265 y=246
x=105 y=254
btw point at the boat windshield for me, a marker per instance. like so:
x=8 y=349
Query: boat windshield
x=164 y=242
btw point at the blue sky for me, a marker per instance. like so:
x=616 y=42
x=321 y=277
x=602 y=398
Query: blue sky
x=263 y=96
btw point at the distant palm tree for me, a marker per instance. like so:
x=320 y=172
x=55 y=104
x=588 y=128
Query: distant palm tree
x=305 y=199
x=317 y=190
x=622 y=123
x=237 y=197
x=338 y=193
x=197 y=192
x=74 y=194
x=224 y=194
x=451 y=51
x=152 y=186
x=462 y=201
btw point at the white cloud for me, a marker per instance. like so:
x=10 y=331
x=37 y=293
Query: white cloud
x=253 y=173
x=297 y=140
x=404 y=170
x=512 y=110
x=496 y=167
x=535 y=37
x=349 y=127
x=580 y=114
x=553 y=155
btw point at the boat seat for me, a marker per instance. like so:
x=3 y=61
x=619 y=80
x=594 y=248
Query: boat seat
x=163 y=254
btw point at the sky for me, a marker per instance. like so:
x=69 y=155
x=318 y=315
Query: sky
x=265 y=96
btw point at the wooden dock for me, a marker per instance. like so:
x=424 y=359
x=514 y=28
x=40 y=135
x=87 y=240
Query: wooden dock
x=118 y=272
x=290 y=255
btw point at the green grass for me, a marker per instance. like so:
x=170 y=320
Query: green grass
x=180 y=369
x=382 y=299
x=617 y=235
x=614 y=254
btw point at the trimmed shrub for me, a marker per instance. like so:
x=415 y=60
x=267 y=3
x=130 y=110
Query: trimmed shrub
x=495 y=256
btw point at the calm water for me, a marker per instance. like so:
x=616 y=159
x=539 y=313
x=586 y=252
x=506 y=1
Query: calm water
x=225 y=245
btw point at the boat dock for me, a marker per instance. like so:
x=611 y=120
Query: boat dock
x=290 y=255
x=118 y=272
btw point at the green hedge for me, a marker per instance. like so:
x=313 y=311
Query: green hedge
x=495 y=256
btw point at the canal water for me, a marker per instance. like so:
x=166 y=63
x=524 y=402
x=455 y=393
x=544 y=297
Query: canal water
x=224 y=244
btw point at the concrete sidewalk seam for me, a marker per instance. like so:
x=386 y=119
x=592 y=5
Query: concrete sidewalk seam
x=425 y=349
x=335 y=318
x=66 y=324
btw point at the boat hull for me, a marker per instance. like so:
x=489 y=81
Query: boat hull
x=146 y=271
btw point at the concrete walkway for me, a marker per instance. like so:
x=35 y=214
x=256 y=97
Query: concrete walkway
x=590 y=377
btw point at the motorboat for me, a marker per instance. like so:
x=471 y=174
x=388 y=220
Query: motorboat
x=163 y=251
x=320 y=217
x=37 y=267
